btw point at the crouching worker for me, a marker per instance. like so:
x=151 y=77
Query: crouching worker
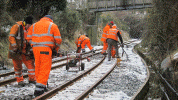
x=82 y=41
x=18 y=50
x=44 y=37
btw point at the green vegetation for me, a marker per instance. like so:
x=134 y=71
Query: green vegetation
x=117 y=18
x=161 y=40
x=162 y=37
x=68 y=22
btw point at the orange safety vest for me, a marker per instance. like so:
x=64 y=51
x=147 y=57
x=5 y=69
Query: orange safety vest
x=112 y=34
x=81 y=39
x=50 y=37
x=16 y=39
x=104 y=35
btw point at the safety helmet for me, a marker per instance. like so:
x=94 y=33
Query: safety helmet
x=114 y=26
x=112 y=22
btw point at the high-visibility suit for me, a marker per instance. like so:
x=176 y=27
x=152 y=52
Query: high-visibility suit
x=112 y=39
x=18 y=52
x=105 y=44
x=44 y=36
x=82 y=41
x=104 y=37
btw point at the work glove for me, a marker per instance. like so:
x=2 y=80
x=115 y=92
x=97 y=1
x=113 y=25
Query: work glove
x=122 y=45
x=83 y=50
x=78 y=50
x=93 y=51
x=54 y=52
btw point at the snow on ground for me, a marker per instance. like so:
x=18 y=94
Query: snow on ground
x=125 y=79
x=121 y=84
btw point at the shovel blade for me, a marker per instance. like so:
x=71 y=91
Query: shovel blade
x=118 y=61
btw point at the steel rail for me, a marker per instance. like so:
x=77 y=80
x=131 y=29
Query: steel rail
x=12 y=72
x=7 y=81
x=53 y=91
x=53 y=61
x=85 y=93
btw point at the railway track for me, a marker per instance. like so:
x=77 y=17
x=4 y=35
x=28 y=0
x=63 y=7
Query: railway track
x=54 y=60
x=8 y=83
x=62 y=83
x=80 y=86
x=57 y=62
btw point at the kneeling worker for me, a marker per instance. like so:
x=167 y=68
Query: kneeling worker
x=82 y=41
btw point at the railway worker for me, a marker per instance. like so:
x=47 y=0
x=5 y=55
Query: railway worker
x=19 y=50
x=44 y=37
x=104 y=37
x=82 y=41
x=112 y=39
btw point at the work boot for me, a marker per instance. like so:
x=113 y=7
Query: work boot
x=38 y=92
x=21 y=84
x=39 y=89
x=46 y=89
x=33 y=82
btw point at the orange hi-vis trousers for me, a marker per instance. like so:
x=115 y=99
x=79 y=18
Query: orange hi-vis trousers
x=86 y=42
x=113 y=52
x=43 y=62
x=105 y=47
x=18 y=68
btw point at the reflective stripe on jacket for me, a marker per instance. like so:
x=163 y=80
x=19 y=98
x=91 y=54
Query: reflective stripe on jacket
x=81 y=39
x=112 y=34
x=44 y=33
x=15 y=39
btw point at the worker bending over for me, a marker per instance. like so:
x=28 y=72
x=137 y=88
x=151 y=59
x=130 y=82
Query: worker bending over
x=44 y=36
x=112 y=39
x=82 y=41
x=19 y=50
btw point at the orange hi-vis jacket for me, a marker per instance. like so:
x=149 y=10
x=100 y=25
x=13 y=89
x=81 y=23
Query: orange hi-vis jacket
x=15 y=40
x=44 y=36
x=82 y=41
x=112 y=34
x=104 y=35
x=50 y=37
